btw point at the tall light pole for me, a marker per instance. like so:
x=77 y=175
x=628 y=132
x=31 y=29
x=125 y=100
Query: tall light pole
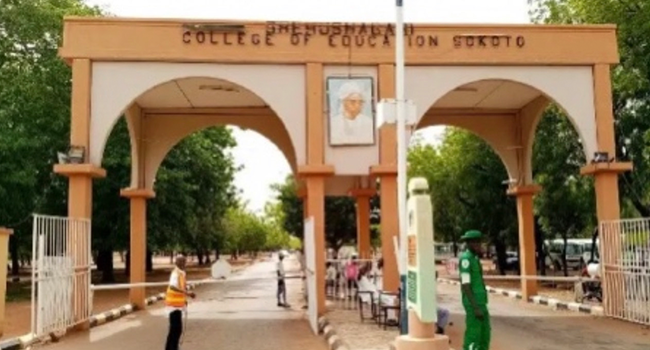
x=401 y=156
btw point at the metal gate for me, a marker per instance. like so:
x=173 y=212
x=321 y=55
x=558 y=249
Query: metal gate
x=625 y=265
x=310 y=262
x=61 y=274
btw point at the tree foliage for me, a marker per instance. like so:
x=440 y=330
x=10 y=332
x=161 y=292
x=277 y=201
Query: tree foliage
x=194 y=185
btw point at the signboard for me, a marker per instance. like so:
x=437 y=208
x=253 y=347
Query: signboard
x=421 y=277
x=412 y=251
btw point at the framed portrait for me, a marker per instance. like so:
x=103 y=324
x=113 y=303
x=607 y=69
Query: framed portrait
x=350 y=111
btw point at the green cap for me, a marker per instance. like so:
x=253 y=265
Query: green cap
x=471 y=235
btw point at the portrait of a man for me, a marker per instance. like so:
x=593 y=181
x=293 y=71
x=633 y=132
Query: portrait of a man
x=351 y=119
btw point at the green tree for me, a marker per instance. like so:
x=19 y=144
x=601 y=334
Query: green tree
x=631 y=82
x=565 y=208
x=34 y=112
x=340 y=215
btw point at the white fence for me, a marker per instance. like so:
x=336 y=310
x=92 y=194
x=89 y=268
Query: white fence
x=625 y=267
x=61 y=274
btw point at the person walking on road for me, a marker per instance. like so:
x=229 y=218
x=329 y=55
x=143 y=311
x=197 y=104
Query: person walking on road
x=282 y=288
x=475 y=298
x=176 y=302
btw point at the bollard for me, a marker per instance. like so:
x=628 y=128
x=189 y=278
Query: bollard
x=420 y=283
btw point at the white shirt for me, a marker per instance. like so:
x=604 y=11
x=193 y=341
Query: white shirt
x=331 y=273
x=279 y=267
x=358 y=131
x=174 y=281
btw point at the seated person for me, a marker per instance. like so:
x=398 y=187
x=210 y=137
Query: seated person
x=443 y=320
x=365 y=286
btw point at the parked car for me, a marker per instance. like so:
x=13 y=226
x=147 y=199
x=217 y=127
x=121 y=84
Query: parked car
x=512 y=261
x=575 y=253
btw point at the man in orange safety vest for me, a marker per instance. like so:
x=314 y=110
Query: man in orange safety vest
x=176 y=301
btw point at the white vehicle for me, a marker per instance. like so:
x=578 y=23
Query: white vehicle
x=578 y=253
x=443 y=251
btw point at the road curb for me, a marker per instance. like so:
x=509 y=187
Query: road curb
x=11 y=344
x=552 y=303
x=334 y=342
x=26 y=341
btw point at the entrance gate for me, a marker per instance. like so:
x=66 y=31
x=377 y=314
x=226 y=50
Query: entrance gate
x=61 y=270
x=625 y=265
x=310 y=262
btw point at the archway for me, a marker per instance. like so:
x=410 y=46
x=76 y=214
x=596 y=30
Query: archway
x=166 y=113
x=503 y=105
x=466 y=180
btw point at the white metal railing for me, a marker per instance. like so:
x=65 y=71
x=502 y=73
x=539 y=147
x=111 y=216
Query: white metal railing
x=61 y=273
x=625 y=267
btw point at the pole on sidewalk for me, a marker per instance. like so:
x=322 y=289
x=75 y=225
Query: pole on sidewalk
x=401 y=156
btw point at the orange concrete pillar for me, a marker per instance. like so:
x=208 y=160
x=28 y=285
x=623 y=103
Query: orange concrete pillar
x=386 y=171
x=138 y=248
x=4 y=257
x=362 y=197
x=606 y=188
x=315 y=171
x=80 y=176
x=80 y=194
x=527 y=248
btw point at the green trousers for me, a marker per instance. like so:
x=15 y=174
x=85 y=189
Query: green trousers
x=477 y=332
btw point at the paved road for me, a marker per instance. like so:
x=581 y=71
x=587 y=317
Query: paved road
x=521 y=326
x=237 y=315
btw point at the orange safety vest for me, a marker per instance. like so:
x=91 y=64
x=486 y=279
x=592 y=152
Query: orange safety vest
x=174 y=298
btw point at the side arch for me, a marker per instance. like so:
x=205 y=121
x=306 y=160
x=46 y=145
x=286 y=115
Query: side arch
x=571 y=88
x=116 y=85
x=166 y=131
x=499 y=143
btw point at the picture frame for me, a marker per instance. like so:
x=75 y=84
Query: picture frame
x=350 y=109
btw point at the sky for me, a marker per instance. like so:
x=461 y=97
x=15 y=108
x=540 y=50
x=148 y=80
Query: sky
x=263 y=163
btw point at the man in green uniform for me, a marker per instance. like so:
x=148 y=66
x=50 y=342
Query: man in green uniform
x=475 y=299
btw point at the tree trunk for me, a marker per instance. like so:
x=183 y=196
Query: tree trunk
x=564 y=265
x=217 y=253
x=539 y=247
x=199 y=256
x=500 y=248
x=127 y=264
x=149 y=261
x=15 y=259
x=105 y=260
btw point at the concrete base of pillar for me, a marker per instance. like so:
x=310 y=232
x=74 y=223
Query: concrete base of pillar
x=138 y=298
x=407 y=342
x=528 y=289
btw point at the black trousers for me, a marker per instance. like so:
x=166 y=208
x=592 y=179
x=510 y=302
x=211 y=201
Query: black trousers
x=282 y=292
x=175 y=330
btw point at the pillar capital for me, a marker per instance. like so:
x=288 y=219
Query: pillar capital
x=6 y=231
x=601 y=168
x=86 y=169
x=383 y=170
x=315 y=170
x=137 y=193
x=362 y=192
x=524 y=190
